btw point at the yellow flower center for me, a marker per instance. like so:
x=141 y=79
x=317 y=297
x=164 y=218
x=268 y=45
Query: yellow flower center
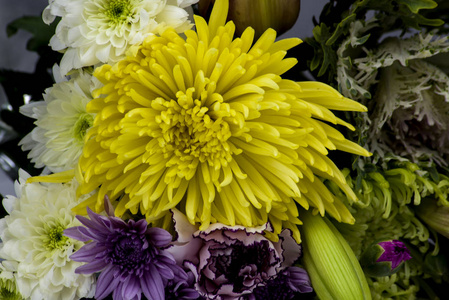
x=192 y=132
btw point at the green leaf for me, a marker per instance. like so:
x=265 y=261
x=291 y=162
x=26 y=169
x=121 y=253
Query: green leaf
x=363 y=39
x=425 y=21
x=33 y=24
x=340 y=29
x=324 y=54
x=416 y=5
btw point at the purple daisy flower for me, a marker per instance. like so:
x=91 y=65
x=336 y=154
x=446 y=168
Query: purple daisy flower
x=130 y=256
x=395 y=252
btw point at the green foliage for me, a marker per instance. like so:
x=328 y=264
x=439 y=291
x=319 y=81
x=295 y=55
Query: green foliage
x=416 y=5
x=409 y=104
x=336 y=19
x=388 y=199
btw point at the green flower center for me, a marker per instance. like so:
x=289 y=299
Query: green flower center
x=118 y=11
x=85 y=121
x=8 y=290
x=55 y=238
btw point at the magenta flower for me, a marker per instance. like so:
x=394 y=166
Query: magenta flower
x=395 y=252
x=233 y=262
x=130 y=256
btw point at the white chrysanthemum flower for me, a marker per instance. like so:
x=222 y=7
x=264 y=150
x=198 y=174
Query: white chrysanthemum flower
x=62 y=122
x=32 y=237
x=100 y=31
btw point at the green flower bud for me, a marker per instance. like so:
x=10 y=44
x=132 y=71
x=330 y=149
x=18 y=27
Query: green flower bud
x=333 y=268
x=434 y=215
x=280 y=15
x=384 y=258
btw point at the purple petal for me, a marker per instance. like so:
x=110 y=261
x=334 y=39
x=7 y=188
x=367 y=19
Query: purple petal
x=298 y=280
x=92 y=233
x=108 y=208
x=166 y=258
x=189 y=293
x=106 y=283
x=100 y=222
x=395 y=251
x=114 y=223
x=152 y=285
x=74 y=233
x=117 y=294
x=130 y=288
x=86 y=254
x=180 y=274
x=92 y=267
x=86 y=222
x=159 y=237
x=165 y=271
x=140 y=226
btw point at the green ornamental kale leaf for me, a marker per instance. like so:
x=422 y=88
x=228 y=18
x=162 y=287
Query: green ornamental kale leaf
x=330 y=31
x=409 y=109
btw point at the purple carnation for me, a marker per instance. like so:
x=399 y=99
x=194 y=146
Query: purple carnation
x=395 y=252
x=181 y=287
x=131 y=257
x=285 y=286
x=231 y=262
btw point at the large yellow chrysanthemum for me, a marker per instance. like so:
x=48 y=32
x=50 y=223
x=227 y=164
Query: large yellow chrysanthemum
x=207 y=124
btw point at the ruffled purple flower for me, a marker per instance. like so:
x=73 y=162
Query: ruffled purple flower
x=395 y=252
x=181 y=287
x=130 y=256
x=285 y=286
x=231 y=262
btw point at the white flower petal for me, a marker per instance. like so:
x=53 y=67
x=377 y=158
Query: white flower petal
x=103 y=53
x=30 y=243
x=100 y=31
x=173 y=16
x=62 y=121
x=48 y=16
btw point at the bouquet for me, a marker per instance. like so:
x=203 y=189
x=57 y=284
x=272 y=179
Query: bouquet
x=182 y=149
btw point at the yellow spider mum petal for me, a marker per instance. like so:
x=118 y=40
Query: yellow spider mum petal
x=207 y=124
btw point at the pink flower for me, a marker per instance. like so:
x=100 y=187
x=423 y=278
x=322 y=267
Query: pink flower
x=230 y=262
